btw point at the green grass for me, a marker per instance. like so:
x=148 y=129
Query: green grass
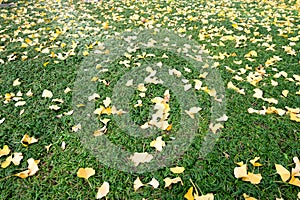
x=274 y=138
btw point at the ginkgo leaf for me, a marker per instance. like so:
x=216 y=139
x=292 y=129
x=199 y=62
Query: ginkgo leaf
x=106 y=102
x=189 y=194
x=158 y=144
x=294 y=181
x=63 y=145
x=137 y=184
x=154 y=183
x=177 y=170
x=285 y=93
x=254 y=163
x=215 y=127
x=208 y=196
x=223 y=118
x=67 y=90
x=32 y=168
x=252 y=178
x=138 y=158
x=168 y=181
x=54 y=107
x=16 y=82
x=283 y=172
x=103 y=190
x=247 y=197
x=20 y=103
x=240 y=172
x=7 y=162
x=27 y=140
x=17 y=157
x=4 y=151
x=85 y=172
x=47 y=94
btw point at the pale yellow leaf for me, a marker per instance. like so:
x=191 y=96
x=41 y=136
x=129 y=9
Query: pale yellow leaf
x=137 y=184
x=85 y=172
x=103 y=190
x=283 y=172
x=177 y=170
x=4 y=151
x=168 y=181
x=47 y=94
x=27 y=140
x=154 y=183
x=240 y=172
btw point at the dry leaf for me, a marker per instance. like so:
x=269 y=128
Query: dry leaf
x=294 y=181
x=177 y=170
x=7 y=162
x=85 y=172
x=252 y=178
x=137 y=184
x=283 y=172
x=247 y=197
x=27 y=140
x=16 y=82
x=103 y=190
x=63 y=145
x=189 y=194
x=169 y=181
x=48 y=147
x=32 y=168
x=154 y=183
x=47 y=94
x=138 y=158
x=158 y=144
x=4 y=151
x=240 y=172
x=209 y=196
x=254 y=163
x=17 y=157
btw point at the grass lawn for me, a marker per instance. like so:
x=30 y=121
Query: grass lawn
x=253 y=45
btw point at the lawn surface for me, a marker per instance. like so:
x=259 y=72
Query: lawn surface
x=254 y=45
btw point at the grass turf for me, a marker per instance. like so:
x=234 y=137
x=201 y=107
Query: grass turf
x=274 y=138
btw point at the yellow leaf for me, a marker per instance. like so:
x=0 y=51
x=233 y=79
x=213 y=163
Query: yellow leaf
x=169 y=181
x=209 y=196
x=85 y=53
x=247 y=197
x=189 y=194
x=7 y=162
x=158 y=143
x=252 y=178
x=154 y=183
x=85 y=172
x=137 y=184
x=283 y=172
x=23 y=174
x=240 y=172
x=47 y=94
x=294 y=181
x=138 y=158
x=5 y=151
x=177 y=170
x=17 y=158
x=16 y=82
x=254 y=163
x=26 y=140
x=285 y=93
x=103 y=190
x=32 y=166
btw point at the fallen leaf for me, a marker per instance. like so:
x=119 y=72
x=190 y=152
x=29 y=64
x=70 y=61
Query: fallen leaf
x=137 y=184
x=63 y=145
x=240 y=172
x=189 y=194
x=283 y=172
x=247 y=197
x=47 y=94
x=16 y=82
x=17 y=157
x=158 y=144
x=209 y=196
x=177 y=170
x=4 y=151
x=169 y=181
x=252 y=178
x=48 y=147
x=32 y=168
x=254 y=163
x=138 y=158
x=27 y=140
x=154 y=183
x=294 y=181
x=7 y=162
x=85 y=172
x=103 y=190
